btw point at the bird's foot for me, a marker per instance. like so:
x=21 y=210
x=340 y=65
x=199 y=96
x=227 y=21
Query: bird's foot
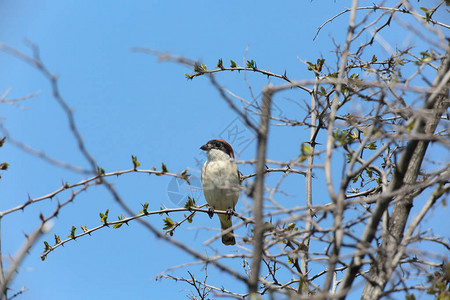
x=230 y=212
x=210 y=212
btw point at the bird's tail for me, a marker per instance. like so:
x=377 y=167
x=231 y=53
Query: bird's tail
x=225 y=223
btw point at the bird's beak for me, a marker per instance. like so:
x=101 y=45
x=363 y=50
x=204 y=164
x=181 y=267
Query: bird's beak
x=204 y=147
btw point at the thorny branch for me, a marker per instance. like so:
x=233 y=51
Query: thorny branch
x=258 y=190
x=378 y=145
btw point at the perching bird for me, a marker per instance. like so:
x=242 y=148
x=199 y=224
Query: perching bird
x=220 y=181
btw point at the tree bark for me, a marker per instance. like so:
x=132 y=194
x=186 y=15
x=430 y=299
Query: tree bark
x=258 y=194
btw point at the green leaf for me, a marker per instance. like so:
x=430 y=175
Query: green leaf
x=322 y=92
x=168 y=223
x=190 y=218
x=311 y=66
x=303 y=284
x=340 y=136
x=185 y=176
x=306 y=152
x=306 y=149
x=319 y=64
x=220 y=64
x=57 y=239
x=46 y=246
x=369 y=172
x=410 y=297
x=136 y=163
x=303 y=247
x=233 y=64
x=425 y=54
x=118 y=225
x=352 y=135
x=349 y=157
x=374 y=59
x=72 y=232
x=189 y=203
x=332 y=75
x=144 y=208
x=100 y=171
x=302 y=158
x=290 y=227
x=428 y=16
x=371 y=146
x=164 y=168
x=411 y=125
x=4 y=166
x=198 y=68
x=104 y=217
x=251 y=64
x=188 y=77
x=84 y=228
x=2 y=141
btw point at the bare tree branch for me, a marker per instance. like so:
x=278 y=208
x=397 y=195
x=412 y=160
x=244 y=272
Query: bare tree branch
x=258 y=190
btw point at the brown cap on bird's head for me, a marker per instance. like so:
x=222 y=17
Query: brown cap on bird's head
x=220 y=145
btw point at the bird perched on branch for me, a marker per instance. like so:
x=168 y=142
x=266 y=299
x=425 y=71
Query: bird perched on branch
x=221 y=182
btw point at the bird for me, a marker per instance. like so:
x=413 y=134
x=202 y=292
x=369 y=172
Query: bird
x=221 y=184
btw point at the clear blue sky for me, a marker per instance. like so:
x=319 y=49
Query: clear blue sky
x=128 y=103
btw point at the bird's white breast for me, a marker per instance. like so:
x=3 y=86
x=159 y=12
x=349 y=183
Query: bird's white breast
x=220 y=182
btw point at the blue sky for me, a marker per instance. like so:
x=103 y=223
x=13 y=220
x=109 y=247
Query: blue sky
x=127 y=103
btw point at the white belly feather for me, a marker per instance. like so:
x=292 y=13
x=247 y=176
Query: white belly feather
x=220 y=182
